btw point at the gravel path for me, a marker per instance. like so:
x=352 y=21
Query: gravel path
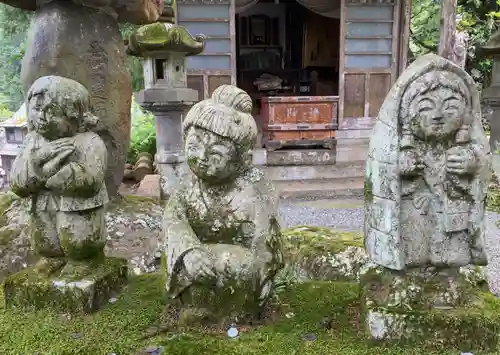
x=348 y=215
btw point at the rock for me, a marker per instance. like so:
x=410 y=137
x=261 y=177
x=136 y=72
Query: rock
x=150 y=187
x=428 y=307
x=29 y=289
x=128 y=175
x=317 y=253
x=143 y=167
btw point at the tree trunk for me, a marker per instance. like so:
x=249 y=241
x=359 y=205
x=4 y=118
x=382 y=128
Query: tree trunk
x=448 y=29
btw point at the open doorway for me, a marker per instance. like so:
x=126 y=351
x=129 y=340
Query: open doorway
x=285 y=49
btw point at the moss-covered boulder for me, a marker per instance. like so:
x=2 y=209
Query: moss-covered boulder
x=429 y=306
x=318 y=253
x=134 y=226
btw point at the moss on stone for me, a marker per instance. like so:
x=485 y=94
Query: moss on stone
x=29 y=289
x=311 y=240
x=6 y=201
x=91 y=248
x=425 y=310
x=324 y=254
x=131 y=204
x=157 y=37
x=368 y=189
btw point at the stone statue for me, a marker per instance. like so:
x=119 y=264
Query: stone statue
x=61 y=170
x=427 y=176
x=223 y=241
x=81 y=40
x=428 y=171
x=61 y=174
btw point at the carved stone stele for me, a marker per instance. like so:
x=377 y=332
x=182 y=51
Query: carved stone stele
x=427 y=175
x=427 y=171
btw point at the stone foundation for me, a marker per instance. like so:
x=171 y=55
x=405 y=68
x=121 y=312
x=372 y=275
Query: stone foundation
x=28 y=289
x=429 y=306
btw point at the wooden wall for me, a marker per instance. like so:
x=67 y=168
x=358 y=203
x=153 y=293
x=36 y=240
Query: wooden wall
x=217 y=64
x=371 y=43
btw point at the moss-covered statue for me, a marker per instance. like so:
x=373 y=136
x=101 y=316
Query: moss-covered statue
x=61 y=169
x=223 y=241
x=427 y=176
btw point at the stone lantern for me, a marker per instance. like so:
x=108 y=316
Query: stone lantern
x=491 y=98
x=491 y=94
x=164 y=47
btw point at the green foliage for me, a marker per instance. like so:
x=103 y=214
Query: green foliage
x=14 y=24
x=143 y=137
x=479 y=18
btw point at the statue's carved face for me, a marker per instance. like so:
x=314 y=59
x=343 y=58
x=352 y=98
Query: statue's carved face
x=439 y=112
x=49 y=119
x=210 y=157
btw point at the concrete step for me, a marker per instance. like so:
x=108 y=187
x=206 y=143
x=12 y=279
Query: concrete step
x=321 y=188
x=353 y=169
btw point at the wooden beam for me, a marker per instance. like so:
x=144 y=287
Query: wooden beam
x=448 y=28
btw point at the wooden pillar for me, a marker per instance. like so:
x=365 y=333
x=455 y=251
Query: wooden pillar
x=448 y=28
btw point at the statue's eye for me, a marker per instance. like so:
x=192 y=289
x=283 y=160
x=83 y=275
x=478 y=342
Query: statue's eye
x=426 y=105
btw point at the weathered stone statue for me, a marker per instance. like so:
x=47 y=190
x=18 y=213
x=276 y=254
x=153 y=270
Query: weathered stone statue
x=61 y=173
x=223 y=241
x=427 y=174
x=428 y=171
x=80 y=40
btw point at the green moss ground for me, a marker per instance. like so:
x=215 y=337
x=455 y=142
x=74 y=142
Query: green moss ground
x=119 y=327
x=310 y=240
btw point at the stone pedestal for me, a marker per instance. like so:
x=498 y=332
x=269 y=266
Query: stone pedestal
x=444 y=306
x=29 y=289
x=168 y=106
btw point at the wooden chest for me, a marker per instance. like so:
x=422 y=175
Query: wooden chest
x=299 y=121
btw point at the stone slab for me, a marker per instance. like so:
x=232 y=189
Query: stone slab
x=28 y=289
x=301 y=157
x=150 y=186
x=431 y=307
x=464 y=328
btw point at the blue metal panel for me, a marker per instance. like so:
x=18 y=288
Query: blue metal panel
x=185 y=12
x=369 y=45
x=368 y=61
x=217 y=46
x=209 y=62
x=207 y=28
x=369 y=29
x=367 y=12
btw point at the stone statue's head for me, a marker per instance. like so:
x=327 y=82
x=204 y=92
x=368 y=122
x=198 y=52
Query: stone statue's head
x=437 y=105
x=219 y=135
x=59 y=107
